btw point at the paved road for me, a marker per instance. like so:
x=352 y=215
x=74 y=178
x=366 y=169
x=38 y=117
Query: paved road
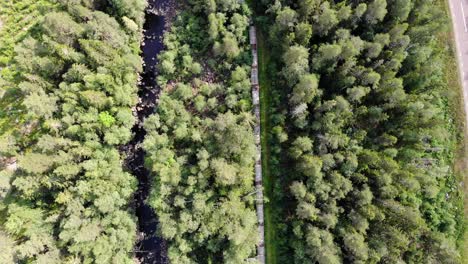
x=459 y=11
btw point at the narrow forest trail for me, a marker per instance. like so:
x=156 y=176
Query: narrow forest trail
x=258 y=157
x=150 y=249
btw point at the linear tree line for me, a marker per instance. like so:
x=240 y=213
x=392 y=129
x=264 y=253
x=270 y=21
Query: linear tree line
x=367 y=130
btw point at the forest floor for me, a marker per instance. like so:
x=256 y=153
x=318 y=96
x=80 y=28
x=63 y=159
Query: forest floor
x=271 y=240
x=456 y=41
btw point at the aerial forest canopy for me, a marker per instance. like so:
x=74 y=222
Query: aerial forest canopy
x=368 y=132
x=200 y=144
x=75 y=72
x=361 y=123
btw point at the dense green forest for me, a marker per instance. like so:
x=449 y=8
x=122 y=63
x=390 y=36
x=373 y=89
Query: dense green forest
x=368 y=131
x=361 y=132
x=200 y=144
x=73 y=70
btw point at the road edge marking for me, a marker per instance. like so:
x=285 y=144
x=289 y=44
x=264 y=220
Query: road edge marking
x=463 y=13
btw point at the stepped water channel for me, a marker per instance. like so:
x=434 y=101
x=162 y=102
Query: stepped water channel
x=150 y=248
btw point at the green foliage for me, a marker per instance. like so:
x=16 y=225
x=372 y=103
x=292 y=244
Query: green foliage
x=75 y=79
x=362 y=137
x=18 y=20
x=106 y=119
x=369 y=135
x=200 y=146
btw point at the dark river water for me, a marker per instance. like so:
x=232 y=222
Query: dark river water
x=150 y=248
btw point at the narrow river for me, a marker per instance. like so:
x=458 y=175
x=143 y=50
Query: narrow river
x=150 y=248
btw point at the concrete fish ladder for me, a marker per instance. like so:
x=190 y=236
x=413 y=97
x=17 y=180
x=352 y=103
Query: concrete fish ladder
x=258 y=157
